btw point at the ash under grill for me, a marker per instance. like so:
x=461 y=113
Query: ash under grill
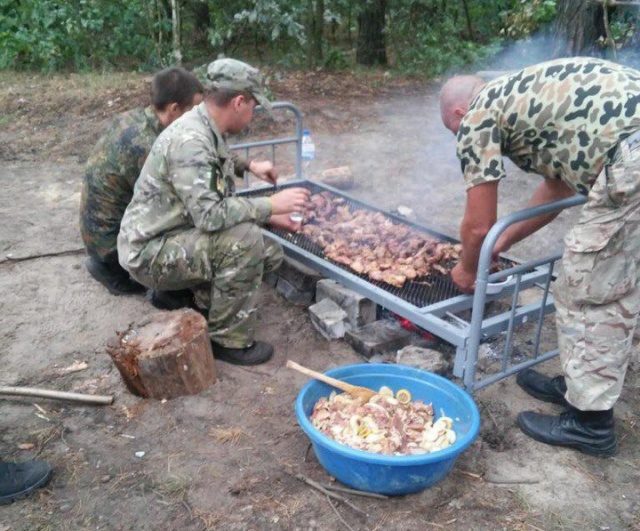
x=419 y=292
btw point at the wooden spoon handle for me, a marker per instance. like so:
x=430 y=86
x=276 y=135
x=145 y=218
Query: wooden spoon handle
x=344 y=386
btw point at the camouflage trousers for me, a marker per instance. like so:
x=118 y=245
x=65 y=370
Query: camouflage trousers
x=224 y=271
x=597 y=296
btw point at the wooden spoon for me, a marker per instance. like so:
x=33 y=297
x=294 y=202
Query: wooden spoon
x=363 y=393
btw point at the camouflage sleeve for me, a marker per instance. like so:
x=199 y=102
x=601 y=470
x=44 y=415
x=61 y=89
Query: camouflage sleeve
x=240 y=165
x=479 y=149
x=196 y=177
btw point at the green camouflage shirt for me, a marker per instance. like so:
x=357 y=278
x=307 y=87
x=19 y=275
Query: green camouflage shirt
x=186 y=182
x=111 y=172
x=560 y=119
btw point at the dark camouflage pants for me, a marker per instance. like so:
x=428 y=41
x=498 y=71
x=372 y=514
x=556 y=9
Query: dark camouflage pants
x=224 y=271
x=597 y=294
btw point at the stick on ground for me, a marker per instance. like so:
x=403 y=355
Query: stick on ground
x=356 y=492
x=59 y=395
x=333 y=495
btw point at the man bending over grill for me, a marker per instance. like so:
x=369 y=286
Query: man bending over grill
x=575 y=122
x=185 y=228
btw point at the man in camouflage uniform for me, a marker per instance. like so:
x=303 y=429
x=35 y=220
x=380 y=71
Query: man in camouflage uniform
x=185 y=228
x=575 y=122
x=114 y=166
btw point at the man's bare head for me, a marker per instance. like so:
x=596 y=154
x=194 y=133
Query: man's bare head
x=455 y=97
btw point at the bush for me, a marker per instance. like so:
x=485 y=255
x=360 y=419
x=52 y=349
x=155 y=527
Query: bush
x=78 y=34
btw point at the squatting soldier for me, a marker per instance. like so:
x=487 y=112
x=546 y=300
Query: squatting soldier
x=185 y=228
x=576 y=123
x=114 y=166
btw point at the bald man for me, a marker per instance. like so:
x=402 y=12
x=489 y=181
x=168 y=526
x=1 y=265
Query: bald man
x=575 y=123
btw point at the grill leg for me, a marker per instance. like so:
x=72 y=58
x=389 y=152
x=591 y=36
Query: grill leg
x=460 y=361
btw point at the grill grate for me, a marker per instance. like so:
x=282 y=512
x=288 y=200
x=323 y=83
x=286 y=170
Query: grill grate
x=419 y=292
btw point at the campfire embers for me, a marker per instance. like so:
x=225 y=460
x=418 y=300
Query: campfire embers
x=373 y=245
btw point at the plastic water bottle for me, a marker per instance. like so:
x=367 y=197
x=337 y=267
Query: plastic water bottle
x=308 y=151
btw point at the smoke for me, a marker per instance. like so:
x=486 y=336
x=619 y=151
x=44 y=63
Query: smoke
x=544 y=46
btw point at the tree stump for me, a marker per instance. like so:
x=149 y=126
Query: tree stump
x=167 y=355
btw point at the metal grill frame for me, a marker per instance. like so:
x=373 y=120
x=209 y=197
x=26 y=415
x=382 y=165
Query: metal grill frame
x=441 y=318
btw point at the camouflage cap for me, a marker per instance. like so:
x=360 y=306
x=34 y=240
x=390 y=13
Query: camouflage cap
x=235 y=75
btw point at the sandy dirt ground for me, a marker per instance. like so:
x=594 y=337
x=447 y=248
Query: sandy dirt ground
x=227 y=458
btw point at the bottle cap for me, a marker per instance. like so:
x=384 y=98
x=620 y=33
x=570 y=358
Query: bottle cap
x=306 y=132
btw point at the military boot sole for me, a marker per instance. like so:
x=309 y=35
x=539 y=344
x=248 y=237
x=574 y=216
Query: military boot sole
x=10 y=498
x=607 y=451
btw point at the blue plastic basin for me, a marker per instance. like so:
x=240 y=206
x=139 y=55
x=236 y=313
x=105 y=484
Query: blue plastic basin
x=388 y=474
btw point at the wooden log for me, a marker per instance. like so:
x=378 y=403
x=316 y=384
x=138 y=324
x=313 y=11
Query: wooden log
x=340 y=177
x=167 y=355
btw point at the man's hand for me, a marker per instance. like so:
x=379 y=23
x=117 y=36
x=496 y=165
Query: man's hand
x=264 y=170
x=289 y=200
x=465 y=281
x=283 y=221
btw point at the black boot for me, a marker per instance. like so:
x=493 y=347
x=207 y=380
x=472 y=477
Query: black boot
x=543 y=387
x=590 y=432
x=113 y=277
x=18 y=480
x=257 y=353
x=172 y=300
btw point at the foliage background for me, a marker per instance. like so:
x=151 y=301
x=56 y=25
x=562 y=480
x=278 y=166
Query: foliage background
x=426 y=37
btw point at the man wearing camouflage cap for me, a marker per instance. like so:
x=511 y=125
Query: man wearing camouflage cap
x=575 y=122
x=185 y=228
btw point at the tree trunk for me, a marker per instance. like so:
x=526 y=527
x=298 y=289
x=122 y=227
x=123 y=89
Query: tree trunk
x=315 y=31
x=467 y=16
x=202 y=17
x=371 y=43
x=578 y=26
x=175 y=29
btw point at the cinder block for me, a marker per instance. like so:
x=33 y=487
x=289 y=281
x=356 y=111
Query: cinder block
x=270 y=279
x=360 y=310
x=300 y=276
x=378 y=337
x=293 y=294
x=426 y=359
x=328 y=319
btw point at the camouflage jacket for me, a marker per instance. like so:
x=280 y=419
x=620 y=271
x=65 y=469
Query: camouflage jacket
x=111 y=172
x=561 y=119
x=186 y=182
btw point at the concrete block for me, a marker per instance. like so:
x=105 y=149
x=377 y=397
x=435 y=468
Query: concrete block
x=360 y=310
x=270 y=279
x=300 y=276
x=426 y=359
x=328 y=319
x=378 y=337
x=634 y=362
x=293 y=294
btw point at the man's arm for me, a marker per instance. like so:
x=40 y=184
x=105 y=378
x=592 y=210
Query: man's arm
x=192 y=167
x=549 y=190
x=264 y=170
x=479 y=216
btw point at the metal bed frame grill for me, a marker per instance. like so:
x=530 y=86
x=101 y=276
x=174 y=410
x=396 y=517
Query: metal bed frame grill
x=459 y=319
x=420 y=293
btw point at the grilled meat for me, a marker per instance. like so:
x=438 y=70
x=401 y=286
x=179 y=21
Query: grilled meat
x=373 y=244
